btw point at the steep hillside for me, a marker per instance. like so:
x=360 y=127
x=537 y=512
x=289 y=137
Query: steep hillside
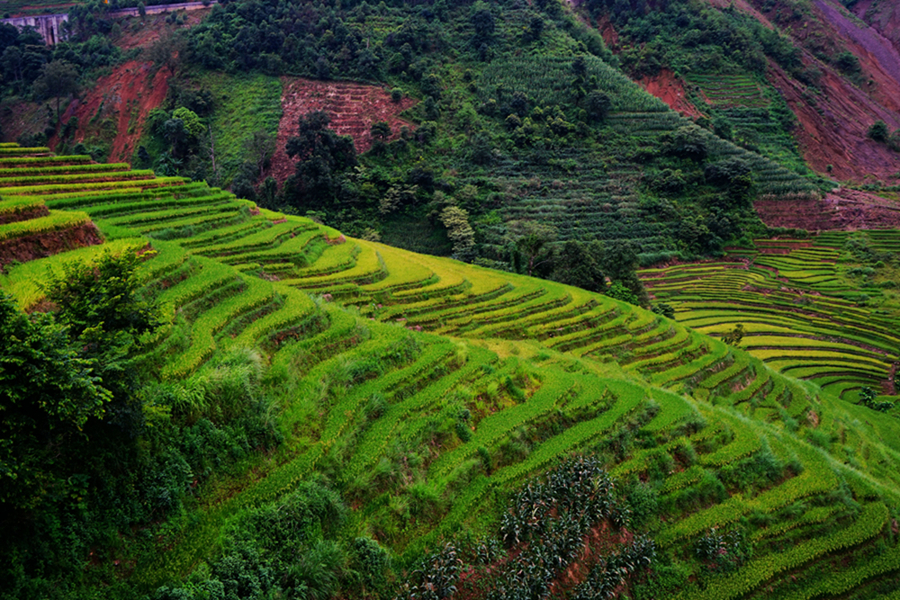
x=837 y=75
x=418 y=393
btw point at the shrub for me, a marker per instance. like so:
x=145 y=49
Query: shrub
x=879 y=131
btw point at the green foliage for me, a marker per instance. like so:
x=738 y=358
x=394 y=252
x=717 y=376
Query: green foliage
x=735 y=336
x=100 y=304
x=879 y=131
x=49 y=391
x=323 y=156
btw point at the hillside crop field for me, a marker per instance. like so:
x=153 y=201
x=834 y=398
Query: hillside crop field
x=809 y=308
x=490 y=300
x=419 y=395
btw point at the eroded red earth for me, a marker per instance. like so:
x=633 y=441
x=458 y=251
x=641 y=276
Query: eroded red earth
x=670 y=89
x=40 y=245
x=353 y=108
x=841 y=209
x=126 y=96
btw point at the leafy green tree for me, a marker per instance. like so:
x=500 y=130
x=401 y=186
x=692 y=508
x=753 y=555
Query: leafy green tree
x=99 y=302
x=598 y=105
x=193 y=126
x=259 y=148
x=622 y=293
x=879 y=131
x=380 y=131
x=847 y=62
x=688 y=141
x=532 y=242
x=619 y=260
x=483 y=22
x=48 y=391
x=665 y=309
x=58 y=79
x=459 y=230
x=322 y=155
x=576 y=265
x=61 y=370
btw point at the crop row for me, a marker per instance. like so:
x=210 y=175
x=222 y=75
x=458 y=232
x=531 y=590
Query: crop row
x=55 y=221
x=869 y=523
x=67 y=188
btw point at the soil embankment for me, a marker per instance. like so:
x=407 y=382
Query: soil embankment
x=119 y=101
x=670 y=89
x=40 y=245
x=842 y=209
x=352 y=107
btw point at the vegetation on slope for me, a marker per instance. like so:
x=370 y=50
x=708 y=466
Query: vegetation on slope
x=823 y=309
x=356 y=448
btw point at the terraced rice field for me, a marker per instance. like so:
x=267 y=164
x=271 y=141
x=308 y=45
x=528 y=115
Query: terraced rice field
x=585 y=196
x=341 y=322
x=801 y=314
x=730 y=90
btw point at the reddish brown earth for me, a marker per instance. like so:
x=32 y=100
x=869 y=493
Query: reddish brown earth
x=609 y=33
x=832 y=124
x=842 y=209
x=154 y=27
x=833 y=130
x=126 y=96
x=670 y=89
x=353 y=108
x=883 y=16
x=30 y=247
x=25 y=215
x=879 y=59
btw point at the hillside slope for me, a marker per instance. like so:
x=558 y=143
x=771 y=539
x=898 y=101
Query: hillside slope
x=424 y=390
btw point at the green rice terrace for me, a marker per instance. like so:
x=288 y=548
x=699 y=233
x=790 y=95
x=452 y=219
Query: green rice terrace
x=458 y=432
x=811 y=309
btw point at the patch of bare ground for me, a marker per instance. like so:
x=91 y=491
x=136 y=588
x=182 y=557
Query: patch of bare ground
x=152 y=27
x=670 y=89
x=25 y=215
x=41 y=245
x=127 y=95
x=842 y=209
x=352 y=107
x=883 y=16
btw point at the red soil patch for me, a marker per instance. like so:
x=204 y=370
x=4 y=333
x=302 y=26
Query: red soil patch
x=353 y=108
x=126 y=96
x=883 y=16
x=41 y=245
x=670 y=89
x=833 y=124
x=842 y=209
x=833 y=131
x=879 y=59
x=153 y=28
x=608 y=32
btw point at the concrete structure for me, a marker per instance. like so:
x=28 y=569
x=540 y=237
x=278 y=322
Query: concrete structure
x=49 y=26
